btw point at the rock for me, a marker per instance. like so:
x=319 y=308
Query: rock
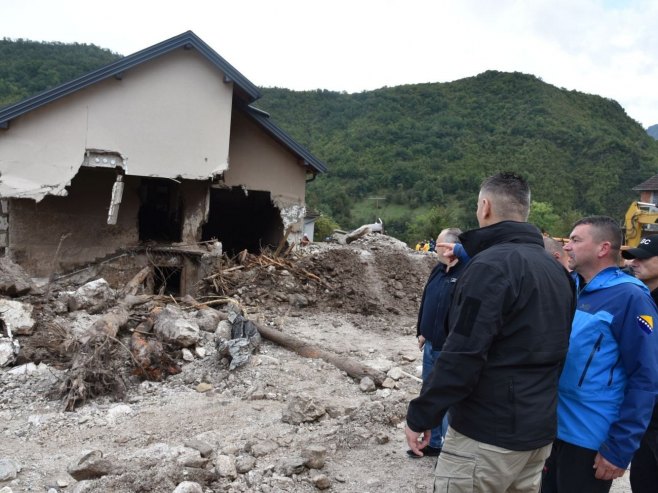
x=263 y=448
x=245 y=463
x=380 y=364
x=91 y=465
x=204 y=448
x=291 y=465
x=225 y=467
x=381 y=438
x=14 y=281
x=203 y=387
x=188 y=487
x=93 y=297
x=187 y=355
x=409 y=357
x=320 y=481
x=367 y=385
x=302 y=409
x=192 y=458
x=298 y=300
x=9 y=349
x=200 y=352
x=116 y=411
x=388 y=383
x=9 y=469
x=223 y=330
x=314 y=456
x=6 y=489
x=395 y=373
x=208 y=319
x=282 y=482
x=17 y=316
x=171 y=326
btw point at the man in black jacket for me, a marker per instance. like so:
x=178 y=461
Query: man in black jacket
x=499 y=367
x=644 y=466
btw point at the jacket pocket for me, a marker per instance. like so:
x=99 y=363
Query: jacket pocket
x=595 y=348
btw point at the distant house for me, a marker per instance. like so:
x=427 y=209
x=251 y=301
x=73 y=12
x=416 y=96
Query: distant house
x=648 y=190
x=159 y=151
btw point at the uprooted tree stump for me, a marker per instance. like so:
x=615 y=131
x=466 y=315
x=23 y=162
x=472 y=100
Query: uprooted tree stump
x=96 y=367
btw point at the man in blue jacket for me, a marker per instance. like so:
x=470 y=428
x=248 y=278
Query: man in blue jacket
x=498 y=370
x=607 y=387
x=432 y=325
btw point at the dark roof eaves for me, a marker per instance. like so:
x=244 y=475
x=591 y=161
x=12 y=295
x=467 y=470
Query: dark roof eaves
x=262 y=118
x=650 y=184
x=126 y=63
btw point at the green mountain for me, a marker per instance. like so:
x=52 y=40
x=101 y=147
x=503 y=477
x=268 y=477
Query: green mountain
x=29 y=67
x=430 y=145
x=415 y=155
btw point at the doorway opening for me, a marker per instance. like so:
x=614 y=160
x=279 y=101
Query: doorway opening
x=160 y=210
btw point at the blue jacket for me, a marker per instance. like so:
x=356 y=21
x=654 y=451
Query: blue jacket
x=608 y=384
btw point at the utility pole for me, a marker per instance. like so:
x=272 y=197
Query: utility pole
x=377 y=199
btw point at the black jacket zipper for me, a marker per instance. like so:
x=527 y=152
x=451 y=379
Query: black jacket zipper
x=597 y=346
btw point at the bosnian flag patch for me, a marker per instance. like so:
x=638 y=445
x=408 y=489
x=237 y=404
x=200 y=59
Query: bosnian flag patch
x=645 y=322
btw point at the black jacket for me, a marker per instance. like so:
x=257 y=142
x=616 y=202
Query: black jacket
x=509 y=332
x=434 y=306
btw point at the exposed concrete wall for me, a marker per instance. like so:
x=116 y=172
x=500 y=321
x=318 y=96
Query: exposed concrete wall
x=258 y=162
x=78 y=221
x=196 y=197
x=168 y=117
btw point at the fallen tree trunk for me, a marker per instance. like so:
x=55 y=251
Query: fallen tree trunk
x=352 y=367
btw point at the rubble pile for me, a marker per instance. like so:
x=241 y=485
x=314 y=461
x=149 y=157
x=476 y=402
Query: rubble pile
x=169 y=394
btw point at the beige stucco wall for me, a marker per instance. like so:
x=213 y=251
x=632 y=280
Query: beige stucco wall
x=167 y=117
x=259 y=162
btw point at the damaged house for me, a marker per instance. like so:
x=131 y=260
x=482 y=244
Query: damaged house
x=148 y=159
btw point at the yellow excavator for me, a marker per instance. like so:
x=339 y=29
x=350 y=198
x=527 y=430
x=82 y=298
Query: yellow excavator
x=641 y=220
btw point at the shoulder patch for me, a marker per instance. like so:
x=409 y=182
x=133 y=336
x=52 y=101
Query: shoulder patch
x=645 y=322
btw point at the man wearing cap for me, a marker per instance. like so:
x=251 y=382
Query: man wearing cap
x=606 y=392
x=644 y=466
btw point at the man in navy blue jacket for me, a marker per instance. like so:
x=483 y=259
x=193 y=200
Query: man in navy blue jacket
x=432 y=326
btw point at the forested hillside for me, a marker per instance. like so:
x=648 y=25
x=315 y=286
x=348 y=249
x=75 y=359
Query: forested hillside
x=425 y=148
x=414 y=155
x=29 y=67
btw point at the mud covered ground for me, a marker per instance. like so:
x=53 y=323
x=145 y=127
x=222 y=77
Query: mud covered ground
x=282 y=422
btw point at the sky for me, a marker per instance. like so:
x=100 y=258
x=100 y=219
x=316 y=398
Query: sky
x=603 y=47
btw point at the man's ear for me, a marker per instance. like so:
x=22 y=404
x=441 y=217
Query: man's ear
x=486 y=208
x=604 y=249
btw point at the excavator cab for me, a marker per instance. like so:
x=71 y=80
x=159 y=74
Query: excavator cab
x=641 y=220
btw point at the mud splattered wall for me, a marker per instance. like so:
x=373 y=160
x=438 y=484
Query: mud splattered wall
x=59 y=233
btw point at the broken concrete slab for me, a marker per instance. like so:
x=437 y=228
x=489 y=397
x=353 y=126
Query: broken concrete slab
x=171 y=325
x=9 y=349
x=18 y=316
x=14 y=281
x=93 y=297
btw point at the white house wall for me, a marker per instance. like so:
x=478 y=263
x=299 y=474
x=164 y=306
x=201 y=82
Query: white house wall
x=169 y=117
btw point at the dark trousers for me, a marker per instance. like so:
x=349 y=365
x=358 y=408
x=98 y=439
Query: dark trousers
x=644 y=467
x=569 y=469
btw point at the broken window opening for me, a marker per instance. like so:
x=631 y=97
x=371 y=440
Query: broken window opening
x=243 y=221
x=160 y=211
x=166 y=280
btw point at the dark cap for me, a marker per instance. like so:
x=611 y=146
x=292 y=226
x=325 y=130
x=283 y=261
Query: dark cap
x=647 y=248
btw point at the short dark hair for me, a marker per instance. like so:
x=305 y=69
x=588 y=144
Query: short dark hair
x=512 y=195
x=604 y=228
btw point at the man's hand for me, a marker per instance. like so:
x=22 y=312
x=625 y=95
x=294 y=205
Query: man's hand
x=412 y=440
x=605 y=470
x=421 y=342
x=447 y=250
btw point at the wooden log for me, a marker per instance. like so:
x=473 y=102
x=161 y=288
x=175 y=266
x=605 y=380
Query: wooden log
x=351 y=366
x=133 y=285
